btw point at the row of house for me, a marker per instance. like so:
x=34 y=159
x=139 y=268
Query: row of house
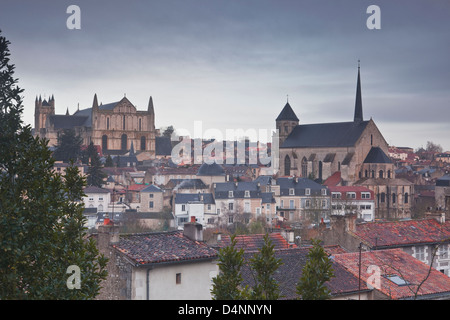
x=391 y=261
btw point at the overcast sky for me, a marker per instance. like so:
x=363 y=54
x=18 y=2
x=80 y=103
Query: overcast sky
x=232 y=63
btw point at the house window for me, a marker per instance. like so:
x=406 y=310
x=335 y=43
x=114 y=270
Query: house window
x=394 y=198
x=324 y=204
x=151 y=195
x=231 y=206
x=247 y=194
x=307 y=204
x=209 y=207
x=365 y=195
x=230 y=194
x=291 y=192
x=246 y=207
x=218 y=210
x=406 y=197
x=291 y=204
x=178 y=278
x=150 y=205
x=230 y=219
x=351 y=195
x=383 y=197
x=420 y=253
x=324 y=192
x=336 y=195
x=307 y=191
x=183 y=206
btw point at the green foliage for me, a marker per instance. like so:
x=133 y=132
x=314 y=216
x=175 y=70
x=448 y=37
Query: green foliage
x=95 y=174
x=41 y=216
x=264 y=264
x=68 y=147
x=316 y=272
x=226 y=286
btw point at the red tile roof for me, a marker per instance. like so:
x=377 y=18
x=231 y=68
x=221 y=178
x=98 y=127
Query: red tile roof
x=163 y=247
x=402 y=233
x=253 y=242
x=396 y=262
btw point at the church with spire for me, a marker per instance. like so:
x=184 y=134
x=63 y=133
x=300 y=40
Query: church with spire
x=116 y=126
x=347 y=153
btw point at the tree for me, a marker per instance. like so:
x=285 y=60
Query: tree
x=68 y=147
x=226 y=286
x=316 y=272
x=264 y=264
x=168 y=132
x=42 y=233
x=95 y=174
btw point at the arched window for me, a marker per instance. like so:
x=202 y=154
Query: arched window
x=140 y=125
x=104 y=142
x=380 y=174
x=389 y=174
x=383 y=197
x=107 y=123
x=304 y=168
x=373 y=173
x=123 y=122
x=406 y=197
x=287 y=166
x=394 y=198
x=366 y=173
x=100 y=208
x=123 y=142
x=142 y=141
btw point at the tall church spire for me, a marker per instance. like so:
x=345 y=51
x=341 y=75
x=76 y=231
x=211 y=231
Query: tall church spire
x=358 y=104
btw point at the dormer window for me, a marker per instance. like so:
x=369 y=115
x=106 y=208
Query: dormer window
x=291 y=192
x=230 y=194
x=307 y=191
x=247 y=194
x=324 y=192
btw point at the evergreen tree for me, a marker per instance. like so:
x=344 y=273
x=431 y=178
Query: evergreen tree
x=226 y=286
x=264 y=264
x=316 y=272
x=109 y=162
x=95 y=174
x=68 y=147
x=42 y=233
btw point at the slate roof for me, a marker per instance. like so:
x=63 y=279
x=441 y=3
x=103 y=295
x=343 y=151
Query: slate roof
x=290 y=272
x=222 y=188
x=340 y=134
x=397 y=262
x=151 y=188
x=182 y=198
x=377 y=155
x=163 y=247
x=68 y=121
x=287 y=113
x=254 y=242
x=300 y=186
x=186 y=184
x=212 y=169
x=443 y=181
x=93 y=189
x=163 y=146
x=402 y=233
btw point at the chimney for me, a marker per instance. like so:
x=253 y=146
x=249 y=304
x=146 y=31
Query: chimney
x=350 y=222
x=193 y=230
x=288 y=234
x=107 y=234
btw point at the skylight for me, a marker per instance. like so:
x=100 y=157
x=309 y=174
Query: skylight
x=397 y=280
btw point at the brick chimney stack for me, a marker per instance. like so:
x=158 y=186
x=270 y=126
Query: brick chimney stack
x=193 y=230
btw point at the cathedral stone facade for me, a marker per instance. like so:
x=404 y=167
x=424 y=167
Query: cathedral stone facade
x=116 y=127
